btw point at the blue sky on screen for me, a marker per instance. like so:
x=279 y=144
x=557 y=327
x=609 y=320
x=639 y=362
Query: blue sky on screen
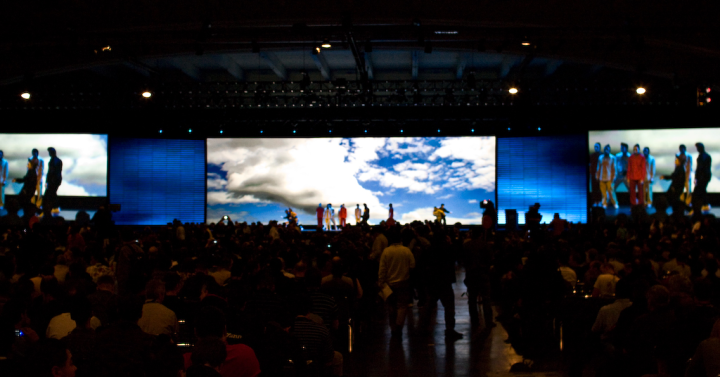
x=257 y=179
x=84 y=158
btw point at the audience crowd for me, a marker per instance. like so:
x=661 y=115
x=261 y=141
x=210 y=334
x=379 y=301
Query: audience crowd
x=635 y=296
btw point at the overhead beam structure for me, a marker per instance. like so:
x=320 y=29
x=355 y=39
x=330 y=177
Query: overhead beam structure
x=274 y=63
x=322 y=65
x=232 y=66
x=462 y=63
x=369 y=65
x=415 y=64
x=187 y=68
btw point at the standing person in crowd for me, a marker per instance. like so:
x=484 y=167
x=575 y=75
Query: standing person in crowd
x=621 y=169
x=442 y=277
x=342 y=214
x=396 y=262
x=688 y=171
x=649 y=177
x=595 y=183
x=477 y=259
x=358 y=215
x=54 y=179
x=605 y=174
x=319 y=211
x=703 y=173
x=391 y=213
x=366 y=215
x=636 y=172
x=3 y=178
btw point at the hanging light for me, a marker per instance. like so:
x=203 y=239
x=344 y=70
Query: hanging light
x=513 y=91
x=640 y=90
x=25 y=95
x=326 y=43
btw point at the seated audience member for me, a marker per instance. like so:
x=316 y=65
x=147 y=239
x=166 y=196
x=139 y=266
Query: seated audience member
x=157 y=318
x=605 y=283
x=173 y=285
x=207 y=357
x=240 y=360
x=81 y=341
x=315 y=337
x=323 y=304
x=705 y=362
x=104 y=300
x=608 y=316
x=51 y=357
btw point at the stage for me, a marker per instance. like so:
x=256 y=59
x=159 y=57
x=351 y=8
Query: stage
x=611 y=212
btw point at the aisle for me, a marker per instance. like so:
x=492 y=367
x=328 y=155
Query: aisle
x=425 y=351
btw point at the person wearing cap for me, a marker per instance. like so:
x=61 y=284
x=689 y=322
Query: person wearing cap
x=54 y=179
x=3 y=178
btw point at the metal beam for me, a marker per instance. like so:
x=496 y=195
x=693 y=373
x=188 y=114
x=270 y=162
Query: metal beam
x=369 y=66
x=187 y=68
x=275 y=64
x=231 y=65
x=415 y=64
x=552 y=66
x=322 y=65
x=462 y=62
x=505 y=67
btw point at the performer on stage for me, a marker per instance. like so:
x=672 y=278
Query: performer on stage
x=54 y=179
x=636 y=172
x=621 y=166
x=391 y=220
x=330 y=217
x=649 y=177
x=444 y=211
x=29 y=184
x=703 y=173
x=342 y=213
x=606 y=176
x=319 y=211
x=358 y=215
x=688 y=172
x=366 y=214
x=594 y=158
x=40 y=171
x=293 y=216
x=677 y=185
x=438 y=214
x=3 y=178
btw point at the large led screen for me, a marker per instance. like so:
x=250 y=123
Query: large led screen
x=663 y=146
x=84 y=161
x=257 y=179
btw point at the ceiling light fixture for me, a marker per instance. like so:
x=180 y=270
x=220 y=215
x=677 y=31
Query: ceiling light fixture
x=326 y=43
x=513 y=91
x=146 y=94
x=25 y=95
x=640 y=90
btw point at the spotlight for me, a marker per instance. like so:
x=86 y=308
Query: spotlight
x=25 y=95
x=525 y=42
x=146 y=94
x=708 y=90
x=221 y=131
x=190 y=131
x=473 y=130
x=539 y=128
x=401 y=131
x=261 y=131
x=640 y=90
x=160 y=131
x=316 y=51
x=438 y=130
x=513 y=91
x=708 y=100
x=365 y=131
x=326 y=43
x=293 y=131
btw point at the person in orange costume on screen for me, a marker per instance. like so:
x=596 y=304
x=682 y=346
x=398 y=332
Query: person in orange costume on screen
x=636 y=173
x=320 y=211
x=342 y=214
x=391 y=214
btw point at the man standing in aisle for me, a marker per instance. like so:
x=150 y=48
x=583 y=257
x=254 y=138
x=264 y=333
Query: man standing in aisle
x=606 y=176
x=703 y=174
x=636 y=172
x=358 y=215
x=54 y=179
x=39 y=171
x=649 y=177
x=319 y=211
x=3 y=179
x=396 y=261
x=621 y=166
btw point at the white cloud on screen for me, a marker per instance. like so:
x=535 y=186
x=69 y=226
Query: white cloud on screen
x=304 y=172
x=664 y=144
x=472 y=201
x=84 y=159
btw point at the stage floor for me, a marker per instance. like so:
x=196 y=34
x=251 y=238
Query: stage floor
x=67 y=214
x=612 y=212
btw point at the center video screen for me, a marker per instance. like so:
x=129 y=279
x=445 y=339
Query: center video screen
x=84 y=161
x=258 y=179
x=662 y=148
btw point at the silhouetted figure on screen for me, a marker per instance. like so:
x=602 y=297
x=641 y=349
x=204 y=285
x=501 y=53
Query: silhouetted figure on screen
x=3 y=178
x=39 y=172
x=366 y=215
x=595 y=190
x=29 y=182
x=621 y=169
x=677 y=185
x=703 y=174
x=54 y=179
